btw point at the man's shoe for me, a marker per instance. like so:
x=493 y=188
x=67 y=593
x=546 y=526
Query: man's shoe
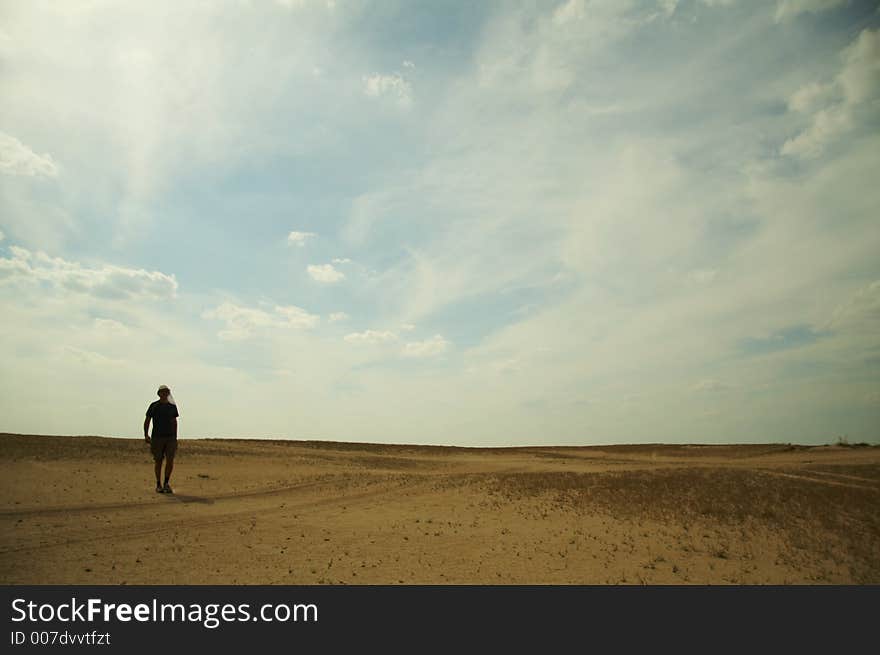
x=159 y=489
x=167 y=489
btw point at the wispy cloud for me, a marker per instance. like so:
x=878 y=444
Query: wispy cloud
x=371 y=337
x=245 y=322
x=837 y=107
x=90 y=358
x=111 y=327
x=391 y=85
x=711 y=386
x=105 y=280
x=571 y=10
x=718 y=3
x=299 y=238
x=432 y=347
x=790 y=9
x=860 y=313
x=794 y=336
x=301 y=4
x=325 y=273
x=17 y=159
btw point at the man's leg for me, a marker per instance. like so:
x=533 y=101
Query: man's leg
x=156 y=447
x=170 y=450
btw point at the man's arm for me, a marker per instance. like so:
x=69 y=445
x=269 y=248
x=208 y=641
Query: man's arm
x=147 y=429
x=175 y=427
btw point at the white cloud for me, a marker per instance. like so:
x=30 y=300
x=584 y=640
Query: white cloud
x=89 y=357
x=344 y=260
x=826 y=125
x=665 y=10
x=393 y=85
x=809 y=97
x=302 y=4
x=543 y=55
x=710 y=386
x=240 y=321
x=408 y=64
x=789 y=9
x=106 y=280
x=432 y=347
x=627 y=216
x=296 y=317
x=336 y=317
x=299 y=238
x=17 y=159
x=861 y=313
x=837 y=105
x=325 y=273
x=407 y=327
x=371 y=337
x=366 y=210
x=860 y=77
x=667 y=7
x=570 y=11
x=110 y=327
x=703 y=276
x=243 y=322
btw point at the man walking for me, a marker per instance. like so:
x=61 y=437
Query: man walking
x=164 y=414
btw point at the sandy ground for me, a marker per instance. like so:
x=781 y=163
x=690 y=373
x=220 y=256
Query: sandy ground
x=82 y=510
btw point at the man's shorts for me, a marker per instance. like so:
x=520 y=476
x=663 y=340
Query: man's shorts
x=163 y=447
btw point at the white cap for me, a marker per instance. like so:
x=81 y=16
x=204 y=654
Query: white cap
x=163 y=387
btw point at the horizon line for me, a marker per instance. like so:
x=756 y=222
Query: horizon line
x=839 y=442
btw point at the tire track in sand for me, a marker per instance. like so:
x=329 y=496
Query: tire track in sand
x=164 y=523
x=805 y=478
x=30 y=512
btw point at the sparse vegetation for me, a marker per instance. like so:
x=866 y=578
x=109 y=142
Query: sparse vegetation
x=812 y=512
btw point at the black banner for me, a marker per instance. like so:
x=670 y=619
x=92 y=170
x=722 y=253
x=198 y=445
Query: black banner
x=168 y=619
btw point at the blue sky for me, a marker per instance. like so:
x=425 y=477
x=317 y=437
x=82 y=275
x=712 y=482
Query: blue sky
x=494 y=223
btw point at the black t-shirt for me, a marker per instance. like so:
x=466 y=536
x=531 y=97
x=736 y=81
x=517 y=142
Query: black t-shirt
x=163 y=415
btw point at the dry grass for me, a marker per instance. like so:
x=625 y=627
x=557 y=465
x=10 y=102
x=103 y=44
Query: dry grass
x=831 y=520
